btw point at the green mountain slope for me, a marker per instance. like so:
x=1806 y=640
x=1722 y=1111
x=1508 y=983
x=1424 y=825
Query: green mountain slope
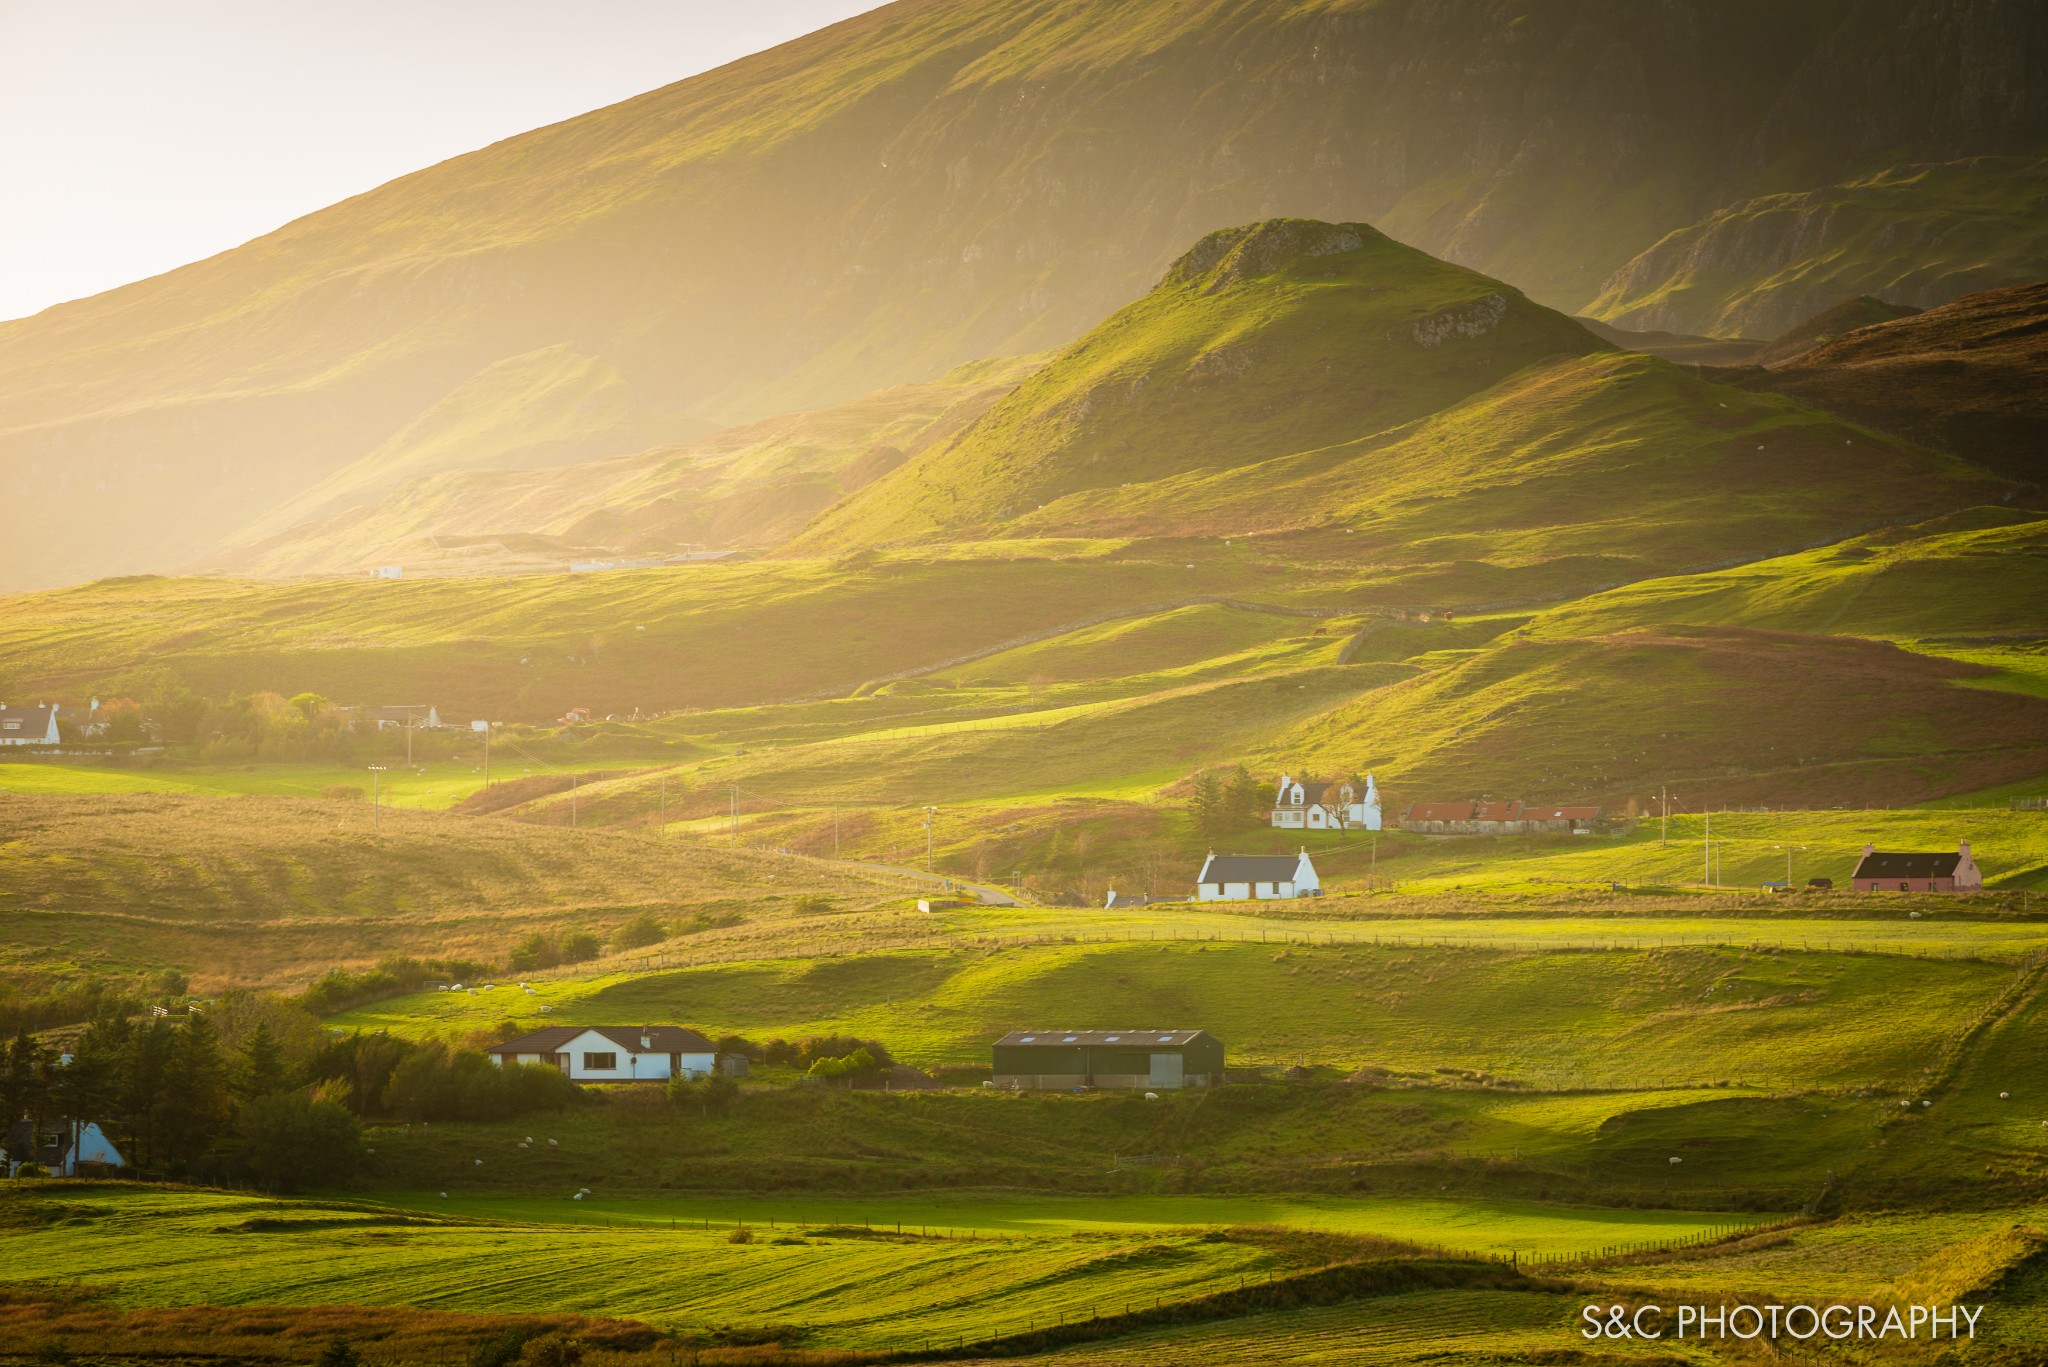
x=1982 y=573
x=1726 y=715
x=742 y=487
x=1261 y=341
x=1917 y=235
x=941 y=180
x=1295 y=376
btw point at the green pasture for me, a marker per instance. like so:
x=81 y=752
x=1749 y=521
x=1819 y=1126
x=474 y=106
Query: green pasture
x=1750 y=849
x=1626 y=1016
x=1465 y=1226
x=168 y=1247
x=428 y=787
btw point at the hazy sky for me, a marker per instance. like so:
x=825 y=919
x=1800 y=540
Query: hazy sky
x=138 y=135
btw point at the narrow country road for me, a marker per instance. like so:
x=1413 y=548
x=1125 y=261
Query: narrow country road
x=988 y=897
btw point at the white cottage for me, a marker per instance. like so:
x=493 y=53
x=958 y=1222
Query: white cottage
x=64 y=1149
x=1256 y=877
x=28 y=725
x=613 y=1053
x=1306 y=805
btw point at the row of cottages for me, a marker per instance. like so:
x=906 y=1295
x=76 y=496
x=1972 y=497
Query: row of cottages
x=1256 y=877
x=1135 y=1060
x=614 y=1053
x=28 y=725
x=1879 y=871
x=1499 y=818
x=1304 y=804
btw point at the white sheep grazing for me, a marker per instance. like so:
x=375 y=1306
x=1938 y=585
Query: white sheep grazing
x=2005 y=1096
x=1151 y=1096
x=1925 y=1104
x=553 y=1145
x=577 y=1197
x=478 y=1161
x=444 y=1196
x=1678 y=1160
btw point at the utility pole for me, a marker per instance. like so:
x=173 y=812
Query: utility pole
x=376 y=808
x=930 y=865
x=572 y=801
x=1375 y=876
x=732 y=829
x=408 y=740
x=487 y=754
x=1707 y=869
x=1664 y=820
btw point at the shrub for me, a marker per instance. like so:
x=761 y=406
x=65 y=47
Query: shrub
x=30 y=1170
x=740 y=1235
x=552 y=1352
x=434 y=1082
x=501 y=1351
x=339 y=1352
x=342 y=792
x=713 y=1093
x=289 y=1141
x=579 y=946
x=638 y=933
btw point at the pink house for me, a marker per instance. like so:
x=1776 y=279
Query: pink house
x=1888 y=872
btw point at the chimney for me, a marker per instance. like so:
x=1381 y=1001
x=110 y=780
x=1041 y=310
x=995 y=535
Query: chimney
x=1965 y=847
x=1869 y=850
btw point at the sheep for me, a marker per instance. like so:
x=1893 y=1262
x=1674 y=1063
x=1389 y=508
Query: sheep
x=1151 y=1096
x=1678 y=1160
x=553 y=1144
x=478 y=1161
x=2005 y=1096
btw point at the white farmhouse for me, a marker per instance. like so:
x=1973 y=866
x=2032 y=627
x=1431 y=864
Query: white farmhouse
x=613 y=1053
x=1306 y=805
x=28 y=725
x=1256 y=877
x=64 y=1149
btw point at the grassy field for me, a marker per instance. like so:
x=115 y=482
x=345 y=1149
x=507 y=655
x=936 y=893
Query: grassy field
x=1470 y=1226
x=274 y=891
x=432 y=787
x=841 y=1285
x=1786 y=1019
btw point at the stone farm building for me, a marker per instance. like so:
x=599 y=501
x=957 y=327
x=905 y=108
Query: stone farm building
x=613 y=1053
x=1301 y=804
x=1499 y=818
x=1256 y=877
x=1880 y=871
x=1137 y=1060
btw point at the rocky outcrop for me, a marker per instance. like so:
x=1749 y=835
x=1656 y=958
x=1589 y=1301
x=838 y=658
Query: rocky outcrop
x=1480 y=316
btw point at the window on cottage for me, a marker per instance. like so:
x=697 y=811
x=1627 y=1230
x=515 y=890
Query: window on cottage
x=600 y=1063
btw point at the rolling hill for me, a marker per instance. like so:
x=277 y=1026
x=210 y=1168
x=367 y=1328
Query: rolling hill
x=742 y=487
x=1296 y=376
x=1970 y=377
x=932 y=183
x=1919 y=235
x=1727 y=716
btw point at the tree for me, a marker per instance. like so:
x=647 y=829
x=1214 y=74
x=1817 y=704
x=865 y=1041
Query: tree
x=1205 y=805
x=193 y=1107
x=288 y=1141
x=1245 y=799
x=263 y=1070
x=580 y=945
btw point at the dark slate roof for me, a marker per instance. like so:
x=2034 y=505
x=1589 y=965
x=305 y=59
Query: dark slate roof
x=1133 y=1038
x=667 y=1039
x=31 y=721
x=1883 y=865
x=1253 y=868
